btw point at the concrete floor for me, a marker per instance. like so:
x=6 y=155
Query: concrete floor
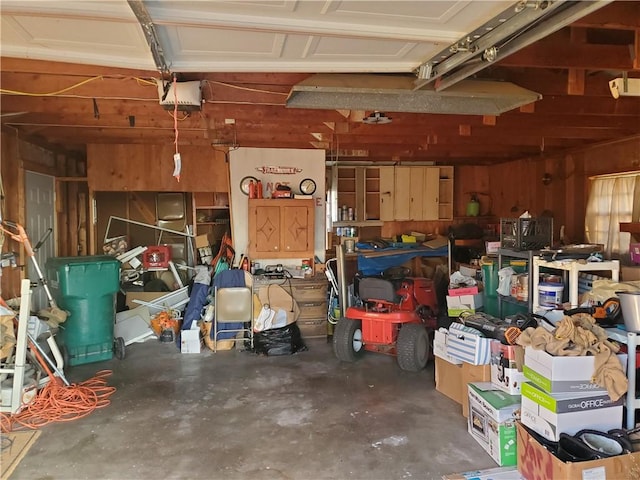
x=236 y=415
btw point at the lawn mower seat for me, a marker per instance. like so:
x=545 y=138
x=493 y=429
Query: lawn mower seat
x=376 y=288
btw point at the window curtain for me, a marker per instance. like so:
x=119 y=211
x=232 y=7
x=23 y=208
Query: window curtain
x=612 y=200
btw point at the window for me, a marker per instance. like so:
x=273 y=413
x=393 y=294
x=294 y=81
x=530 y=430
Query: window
x=612 y=199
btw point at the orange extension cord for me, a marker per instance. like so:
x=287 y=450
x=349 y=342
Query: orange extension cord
x=57 y=402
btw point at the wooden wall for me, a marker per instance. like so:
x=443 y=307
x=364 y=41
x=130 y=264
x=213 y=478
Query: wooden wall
x=517 y=186
x=13 y=186
x=509 y=189
x=17 y=157
x=140 y=168
x=501 y=188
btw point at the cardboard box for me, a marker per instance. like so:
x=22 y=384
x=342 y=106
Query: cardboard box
x=468 y=270
x=190 y=341
x=468 y=344
x=492 y=248
x=628 y=274
x=144 y=296
x=440 y=341
x=472 y=374
x=492 y=421
x=535 y=462
x=562 y=374
x=202 y=241
x=457 y=304
x=507 y=362
x=456 y=292
x=550 y=415
x=449 y=379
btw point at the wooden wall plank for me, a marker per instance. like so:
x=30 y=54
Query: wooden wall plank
x=139 y=168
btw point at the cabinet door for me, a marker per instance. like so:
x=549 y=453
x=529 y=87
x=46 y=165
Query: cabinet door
x=296 y=233
x=387 y=193
x=264 y=229
x=430 y=188
x=416 y=192
x=402 y=200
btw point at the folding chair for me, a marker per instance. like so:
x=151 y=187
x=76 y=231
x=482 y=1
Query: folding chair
x=233 y=314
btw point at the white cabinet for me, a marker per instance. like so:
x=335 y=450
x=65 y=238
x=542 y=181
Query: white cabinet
x=411 y=193
x=574 y=267
x=387 y=193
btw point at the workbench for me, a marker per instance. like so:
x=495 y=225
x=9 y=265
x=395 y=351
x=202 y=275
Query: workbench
x=373 y=262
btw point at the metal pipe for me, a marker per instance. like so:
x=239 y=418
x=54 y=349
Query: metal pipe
x=49 y=361
x=343 y=291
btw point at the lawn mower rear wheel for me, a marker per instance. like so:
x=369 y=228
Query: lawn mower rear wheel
x=413 y=347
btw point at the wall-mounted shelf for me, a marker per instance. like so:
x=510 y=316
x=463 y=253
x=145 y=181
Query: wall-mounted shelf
x=364 y=223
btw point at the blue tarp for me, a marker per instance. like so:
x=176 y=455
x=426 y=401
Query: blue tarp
x=378 y=264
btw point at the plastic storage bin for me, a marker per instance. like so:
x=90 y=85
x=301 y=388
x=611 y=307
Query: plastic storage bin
x=86 y=287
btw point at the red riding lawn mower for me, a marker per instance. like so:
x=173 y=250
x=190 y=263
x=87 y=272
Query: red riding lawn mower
x=397 y=317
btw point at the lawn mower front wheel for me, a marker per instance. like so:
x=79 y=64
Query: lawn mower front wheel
x=413 y=347
x=347 y=340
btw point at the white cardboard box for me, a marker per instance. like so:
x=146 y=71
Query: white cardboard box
x=190 y=341
x=468 y=345
x=456 y=304
x=492 y=421
x=562 y=374
x=440 y=341
x=553 y=414
x=506 y=367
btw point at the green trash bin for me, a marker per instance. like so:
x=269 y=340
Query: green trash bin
x=86 y=287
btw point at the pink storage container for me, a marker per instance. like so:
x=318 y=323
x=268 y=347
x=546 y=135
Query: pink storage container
x=634 y=251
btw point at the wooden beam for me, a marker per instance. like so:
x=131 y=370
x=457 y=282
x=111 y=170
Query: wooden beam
x=576 y=80
x=553 y=54
x=636 y=50
x=148 y=215
x=620 y=15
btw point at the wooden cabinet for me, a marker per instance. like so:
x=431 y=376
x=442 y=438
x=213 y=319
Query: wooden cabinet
x=211 y=215
x=415 y=193
x=387 y=193
x=311 y=296
x=358 y=190
x=445 y=193
x=281 y=228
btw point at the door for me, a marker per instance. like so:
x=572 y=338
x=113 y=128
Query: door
x=295 y=229
x=402 y=200
x=416 y=189
x=387 y=193
x=40 y=210
x=264 y=229
x=430 y=200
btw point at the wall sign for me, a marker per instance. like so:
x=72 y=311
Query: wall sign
x=279 y=170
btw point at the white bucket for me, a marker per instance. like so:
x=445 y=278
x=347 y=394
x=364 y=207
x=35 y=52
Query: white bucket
x=550 y=294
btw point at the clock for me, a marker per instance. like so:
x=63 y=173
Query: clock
x=244 y=183
x=307 y=186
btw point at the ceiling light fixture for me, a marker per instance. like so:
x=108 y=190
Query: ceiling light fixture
x=376 y=118
x=395 y=93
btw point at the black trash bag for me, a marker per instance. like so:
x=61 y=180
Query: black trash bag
x=285 y=340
